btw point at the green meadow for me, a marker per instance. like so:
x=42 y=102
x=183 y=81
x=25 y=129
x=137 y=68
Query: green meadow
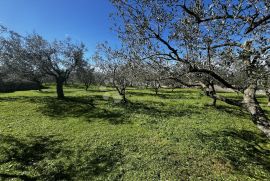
x=174 y=135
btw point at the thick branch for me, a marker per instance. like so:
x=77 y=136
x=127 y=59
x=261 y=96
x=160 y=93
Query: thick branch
x=227 y=100
x=257 y=23
x=214 y=75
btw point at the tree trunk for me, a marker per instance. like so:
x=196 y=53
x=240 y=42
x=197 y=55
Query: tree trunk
x=251 y=104
x=122 y=92
x=86 y=87
x=39 y=83
x=173 y=87
x=59 y=88
x=267 y=91
x=157 y=86
x=212 y=91
x=156 y=91
x=147 y=85
x=124 y=98
x=209 y=90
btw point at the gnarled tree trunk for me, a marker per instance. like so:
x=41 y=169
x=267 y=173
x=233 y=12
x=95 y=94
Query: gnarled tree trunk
x=267 y=92
x=86 y=86
x=213 y=92
x=123 y=94
x=156 y=86
x=251 y=104
x=59 y=88
x=39 y=83
x=210 y=91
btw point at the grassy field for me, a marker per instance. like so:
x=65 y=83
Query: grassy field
x=90 y=136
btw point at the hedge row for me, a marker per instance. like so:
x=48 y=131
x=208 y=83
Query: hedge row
x=18 y=86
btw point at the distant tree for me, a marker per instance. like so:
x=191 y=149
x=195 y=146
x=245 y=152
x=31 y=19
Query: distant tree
x=33 y=57
x=116 y=67
x=85 y=74
x=17 y=60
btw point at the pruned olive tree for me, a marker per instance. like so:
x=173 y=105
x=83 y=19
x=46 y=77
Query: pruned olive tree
x=200 y=36
x=57 y=59
x=155 y=73
x=85 y=74
x=16 y=58
x=33 y=57
x=117 y=67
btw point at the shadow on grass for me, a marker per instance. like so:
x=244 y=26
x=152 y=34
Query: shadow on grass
x=102 y=162
x=165 y=95
x=116 y=113
x=27 y=153
x=232 y=111
x=244 y=150
x=93 y=107
x=44 y=158
x=158 y=109
x=81 y=107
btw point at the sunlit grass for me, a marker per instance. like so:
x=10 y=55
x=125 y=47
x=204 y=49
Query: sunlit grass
x=90 y=136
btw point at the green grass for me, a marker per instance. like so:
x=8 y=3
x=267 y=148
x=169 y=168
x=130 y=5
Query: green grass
x=90 y=136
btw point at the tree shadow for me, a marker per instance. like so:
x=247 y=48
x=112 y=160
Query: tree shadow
x=164 y=95
x=158 y=109
x=37 y=158
x=86 y=107
x=27 y=153
x=81 y=107
x=77 y=107
x=232 y=111
x=141 y=94
x=242 y=149
x=103 y=161
x=97 y=91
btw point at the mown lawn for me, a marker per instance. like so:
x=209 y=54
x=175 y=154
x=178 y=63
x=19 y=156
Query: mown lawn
x=90 y=136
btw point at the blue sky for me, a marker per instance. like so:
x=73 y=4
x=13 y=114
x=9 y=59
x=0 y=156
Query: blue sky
x=82 y=20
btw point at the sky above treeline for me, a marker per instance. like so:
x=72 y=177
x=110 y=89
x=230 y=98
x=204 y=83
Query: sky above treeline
x=82 y=20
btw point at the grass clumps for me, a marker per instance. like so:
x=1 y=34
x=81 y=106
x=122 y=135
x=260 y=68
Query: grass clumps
x=170 y=136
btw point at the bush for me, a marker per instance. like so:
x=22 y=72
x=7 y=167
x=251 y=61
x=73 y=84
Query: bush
x=11 y=86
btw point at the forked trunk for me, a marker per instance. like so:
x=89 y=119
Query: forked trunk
x=251 y=104
x=59 y=88
x=209 y=90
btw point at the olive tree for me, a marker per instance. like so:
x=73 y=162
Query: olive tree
x=16 y=58
x=57 y=59
x=200 y=36
x=117 y=67
x=33 y=57
x=85 y=74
